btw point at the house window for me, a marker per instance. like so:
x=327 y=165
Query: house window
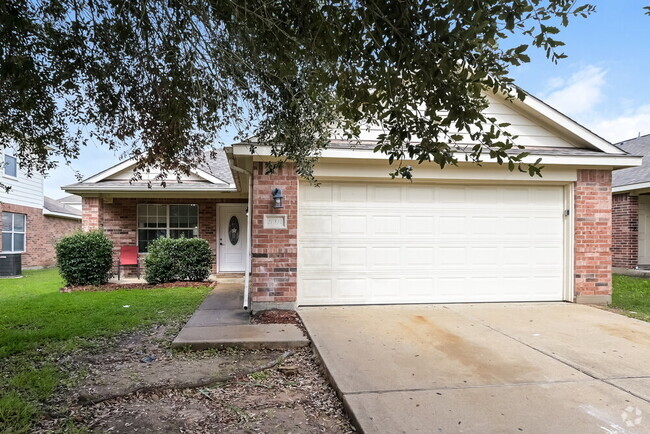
x=173 y=221
x=13 y=232
x=10 y=165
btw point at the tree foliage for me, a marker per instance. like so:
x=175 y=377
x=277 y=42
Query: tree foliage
x=159 y=79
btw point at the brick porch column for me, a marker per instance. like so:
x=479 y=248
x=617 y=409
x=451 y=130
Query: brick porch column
x=275 y=251
x=91 y=208
x=593 y=237
x=625 y=230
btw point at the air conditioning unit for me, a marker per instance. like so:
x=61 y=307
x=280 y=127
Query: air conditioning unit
x=11 y=265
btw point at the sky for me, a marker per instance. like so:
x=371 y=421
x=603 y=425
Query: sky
x=604 y=84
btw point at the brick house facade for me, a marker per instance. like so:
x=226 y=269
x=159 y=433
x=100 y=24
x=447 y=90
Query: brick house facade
x=467 y=233
x=631 y=208
x=118 y=219
x=42 y=234
x=625 y=230
x=274 y=252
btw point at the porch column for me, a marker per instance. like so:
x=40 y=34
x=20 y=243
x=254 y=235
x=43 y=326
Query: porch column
x=593 y=237
x=91 y=208
x=274 y=251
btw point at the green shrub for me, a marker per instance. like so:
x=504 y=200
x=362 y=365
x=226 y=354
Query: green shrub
x=170 y=260
x=85 y=258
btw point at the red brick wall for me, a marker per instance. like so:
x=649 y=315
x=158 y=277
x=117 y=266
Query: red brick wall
x=118 y=219
x=593 y=225
x=275 y=251
x=625 y=230
x=91 y=208
x=43 y=232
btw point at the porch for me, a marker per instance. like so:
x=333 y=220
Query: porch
x=138 y=221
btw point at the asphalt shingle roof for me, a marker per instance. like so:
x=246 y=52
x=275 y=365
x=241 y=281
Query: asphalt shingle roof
x=56 y=206
x=218 y=166
x=634 y=175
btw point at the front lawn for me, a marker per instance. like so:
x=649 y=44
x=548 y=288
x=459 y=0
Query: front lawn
x=40 y=326
x=632 y=294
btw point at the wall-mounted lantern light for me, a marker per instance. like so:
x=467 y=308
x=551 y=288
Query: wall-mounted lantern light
x=277 y=198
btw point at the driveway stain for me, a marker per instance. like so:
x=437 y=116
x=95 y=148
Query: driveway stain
x=482 y=361
x=637 y=336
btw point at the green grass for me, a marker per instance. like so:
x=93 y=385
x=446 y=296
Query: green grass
x=632 y=294
x=38 y=325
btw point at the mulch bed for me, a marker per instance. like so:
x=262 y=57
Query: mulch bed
x=115 y=286
x=278 y=316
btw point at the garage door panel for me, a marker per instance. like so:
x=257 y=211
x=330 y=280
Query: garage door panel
x=378 y=243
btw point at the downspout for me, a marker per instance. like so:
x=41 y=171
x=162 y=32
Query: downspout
x=249 y=231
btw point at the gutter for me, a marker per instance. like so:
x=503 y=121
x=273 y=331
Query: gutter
x=61 y=215
x=249 y=231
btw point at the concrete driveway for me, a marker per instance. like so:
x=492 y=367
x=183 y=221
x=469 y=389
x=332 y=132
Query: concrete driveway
x=538 y=367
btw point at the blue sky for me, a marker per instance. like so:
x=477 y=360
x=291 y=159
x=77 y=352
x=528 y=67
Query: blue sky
x=604 y=83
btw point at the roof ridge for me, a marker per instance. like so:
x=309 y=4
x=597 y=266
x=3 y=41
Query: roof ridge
x=623 y=142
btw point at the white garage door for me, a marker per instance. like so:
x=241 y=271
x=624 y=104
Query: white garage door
x=408 y=243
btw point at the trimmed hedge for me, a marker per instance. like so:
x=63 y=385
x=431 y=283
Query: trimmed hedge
x=170 y=260
x=85 y=258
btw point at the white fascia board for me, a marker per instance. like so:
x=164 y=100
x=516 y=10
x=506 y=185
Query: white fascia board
x=101 y=189
x=630 y=187
x=208 y=177
x=60 y=214
x=566 y=123
x=110 y=171
x=610 y=160
x=131 y=162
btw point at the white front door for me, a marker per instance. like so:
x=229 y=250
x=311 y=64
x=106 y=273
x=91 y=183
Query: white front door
x=231 y=237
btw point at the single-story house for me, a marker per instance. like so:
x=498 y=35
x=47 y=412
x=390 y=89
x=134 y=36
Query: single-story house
x=462 y=234
x=631 y=208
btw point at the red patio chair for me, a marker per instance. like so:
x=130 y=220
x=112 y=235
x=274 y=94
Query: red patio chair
x=128 y=256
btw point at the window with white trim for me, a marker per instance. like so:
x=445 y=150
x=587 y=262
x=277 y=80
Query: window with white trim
x=173 y=221
x=10 y=165
x=13 y=232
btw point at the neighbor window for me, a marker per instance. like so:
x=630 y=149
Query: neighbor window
x=173 y=221
x=13 y=232
x=10 y=166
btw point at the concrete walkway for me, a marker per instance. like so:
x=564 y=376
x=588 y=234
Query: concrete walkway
x=538 y=367
x=220 y=322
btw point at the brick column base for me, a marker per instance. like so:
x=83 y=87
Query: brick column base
x=593 y=237
x=274 y=251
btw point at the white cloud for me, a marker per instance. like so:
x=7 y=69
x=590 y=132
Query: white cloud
x=583 y=97
x=626 y=126
x=580 y=94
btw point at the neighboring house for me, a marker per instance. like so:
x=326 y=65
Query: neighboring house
x=631 y=208
x=463 y=234
x=72 y=201
x=31 y=222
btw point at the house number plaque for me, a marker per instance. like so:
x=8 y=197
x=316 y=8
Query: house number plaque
x=275 y=221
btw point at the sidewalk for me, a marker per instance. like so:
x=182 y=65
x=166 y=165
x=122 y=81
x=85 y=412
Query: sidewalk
x=221 y=322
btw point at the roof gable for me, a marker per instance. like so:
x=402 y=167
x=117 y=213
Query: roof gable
x=213 y=171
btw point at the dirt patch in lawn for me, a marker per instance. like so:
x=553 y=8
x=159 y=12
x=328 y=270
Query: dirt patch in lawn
x=115 y=286
x=290 y=396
